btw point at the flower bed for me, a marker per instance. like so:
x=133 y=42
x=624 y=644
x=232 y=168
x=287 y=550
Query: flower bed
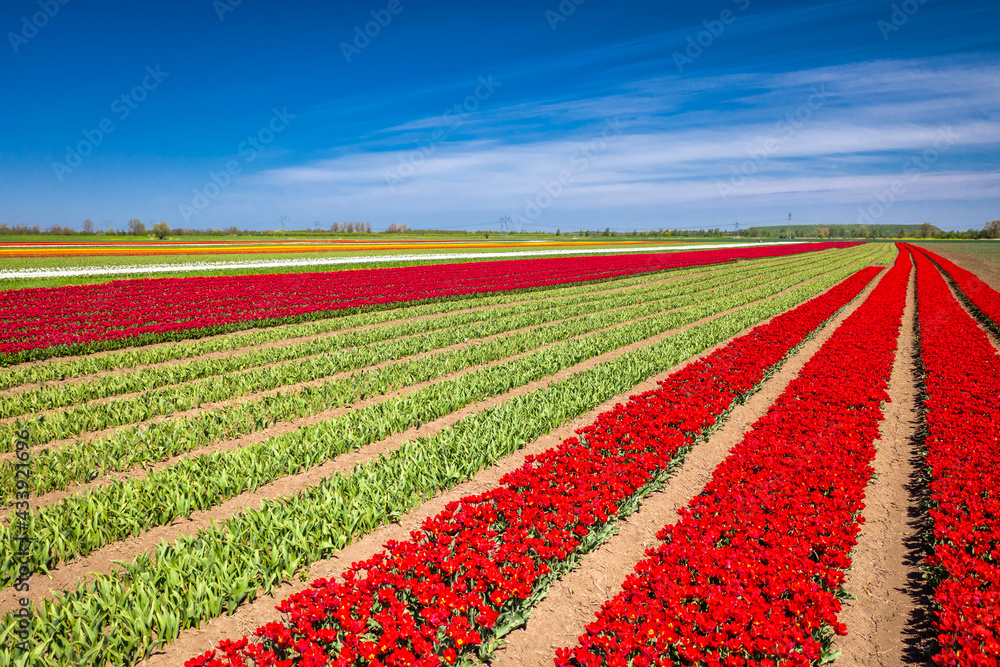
x=76 y=319
x=752 y=572
x=474 y=571
x=982 y=297
x=962 y=399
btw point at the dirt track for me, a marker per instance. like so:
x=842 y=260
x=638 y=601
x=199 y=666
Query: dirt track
x=885 y=575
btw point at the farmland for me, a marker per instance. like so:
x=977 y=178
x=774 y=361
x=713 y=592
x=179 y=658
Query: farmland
x=691 y=457
x=69 y=261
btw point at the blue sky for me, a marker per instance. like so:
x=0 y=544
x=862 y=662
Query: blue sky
x=580 y=114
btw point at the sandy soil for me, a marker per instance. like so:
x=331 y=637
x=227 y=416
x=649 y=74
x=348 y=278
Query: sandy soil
x=885 y=574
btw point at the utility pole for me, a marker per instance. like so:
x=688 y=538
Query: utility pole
x=283 y=218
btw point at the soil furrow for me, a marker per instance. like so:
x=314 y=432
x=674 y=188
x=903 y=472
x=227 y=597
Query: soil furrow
x=985 y=270
x=885 y=575
x=991 y=335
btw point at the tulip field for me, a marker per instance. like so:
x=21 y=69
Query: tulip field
x=184 y=460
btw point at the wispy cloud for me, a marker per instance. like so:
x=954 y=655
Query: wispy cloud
x=677 y=149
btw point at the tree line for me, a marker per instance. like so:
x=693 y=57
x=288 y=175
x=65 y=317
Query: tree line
x=161 y=230
x=135 y=227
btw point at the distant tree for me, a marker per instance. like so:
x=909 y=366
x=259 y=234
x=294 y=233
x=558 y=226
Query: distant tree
x=607 y=231
x=88 y=226
x=992 y=229
x=926 y=230
x=557 y=231
x=136 y=228
x=396 y=228
x=161 y=230
x=350 y=228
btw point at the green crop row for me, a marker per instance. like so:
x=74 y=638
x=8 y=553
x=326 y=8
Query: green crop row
x=127 y=359
x=82 y=462
x=136 y=356
x=121 y=618
x=141 y=356
x=81 y=523
x=50 y=397
x=79 y=419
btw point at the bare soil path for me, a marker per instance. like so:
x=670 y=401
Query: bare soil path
x=885 y=575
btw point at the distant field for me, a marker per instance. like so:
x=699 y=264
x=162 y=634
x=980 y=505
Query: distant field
x=70 y=253
x=987 y=250
x=136 y=249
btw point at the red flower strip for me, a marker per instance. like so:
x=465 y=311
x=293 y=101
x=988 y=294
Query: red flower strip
x=750 y=574
x=962 y=399
x=982 y=296
x=447 y=590
x=77 y=315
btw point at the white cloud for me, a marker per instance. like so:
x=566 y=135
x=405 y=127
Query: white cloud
x=874 y=117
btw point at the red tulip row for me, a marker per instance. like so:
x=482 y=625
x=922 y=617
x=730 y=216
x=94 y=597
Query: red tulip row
x=982 y=296
x=752 y=572
x=145 y=311
x=472 y=571
x=962 y=398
